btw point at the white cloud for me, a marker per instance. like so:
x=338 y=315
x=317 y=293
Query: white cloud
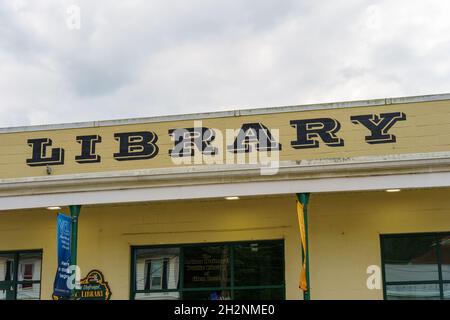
x=142 y=58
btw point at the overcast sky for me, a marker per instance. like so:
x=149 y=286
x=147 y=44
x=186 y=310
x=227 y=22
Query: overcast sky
x=133 y=58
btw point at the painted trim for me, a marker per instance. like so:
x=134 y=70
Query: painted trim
x=211 y=191
x=232 y=113
x=182 y=175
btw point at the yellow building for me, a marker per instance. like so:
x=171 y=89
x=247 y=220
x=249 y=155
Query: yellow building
x=204 y=206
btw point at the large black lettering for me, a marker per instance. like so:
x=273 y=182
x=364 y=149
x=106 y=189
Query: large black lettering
x=39 y=153
x=254 y=133
x=188 y=139
x=379 y=126
x=88 y=144
x=309 y=129
x=136 y=145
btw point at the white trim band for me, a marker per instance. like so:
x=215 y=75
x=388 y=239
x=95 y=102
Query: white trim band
x=171 y=193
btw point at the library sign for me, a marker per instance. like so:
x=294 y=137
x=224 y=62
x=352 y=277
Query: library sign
x=291 y=136
x=142 y=145
x=92 y=287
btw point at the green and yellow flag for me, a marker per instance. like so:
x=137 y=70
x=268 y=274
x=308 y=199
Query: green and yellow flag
x=301 y=224
x=302 y=203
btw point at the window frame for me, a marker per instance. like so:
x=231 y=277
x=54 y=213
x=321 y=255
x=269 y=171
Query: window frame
x=231 y=288
x=15 y=282
x=440 y=281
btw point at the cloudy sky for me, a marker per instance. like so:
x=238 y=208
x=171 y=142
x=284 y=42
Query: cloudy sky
x=138 y=58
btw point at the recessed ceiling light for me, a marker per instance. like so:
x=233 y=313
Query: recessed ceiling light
x=393 y=190
x=231 y=198
x=53 y=208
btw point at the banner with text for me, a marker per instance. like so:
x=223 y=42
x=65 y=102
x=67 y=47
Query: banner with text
x=64 y=228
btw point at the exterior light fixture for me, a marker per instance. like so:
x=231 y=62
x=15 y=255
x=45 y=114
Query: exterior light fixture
x=54 y=208
x=231 y=198
x=393 y=190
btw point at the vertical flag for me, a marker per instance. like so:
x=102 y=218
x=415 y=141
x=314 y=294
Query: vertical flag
x=302 y=203
x=63 y=230
x=301 y=224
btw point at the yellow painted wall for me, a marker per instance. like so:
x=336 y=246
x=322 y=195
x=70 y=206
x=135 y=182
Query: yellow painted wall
x=107 y=232
x=344 y=229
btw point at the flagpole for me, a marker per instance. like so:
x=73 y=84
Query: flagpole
x=74 y=213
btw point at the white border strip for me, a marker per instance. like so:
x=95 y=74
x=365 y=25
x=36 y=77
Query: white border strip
x=424 y=180
x=176 y=172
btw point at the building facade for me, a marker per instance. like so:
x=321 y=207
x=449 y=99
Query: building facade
x=204 y=206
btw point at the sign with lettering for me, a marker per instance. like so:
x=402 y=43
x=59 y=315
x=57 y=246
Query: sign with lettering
x=207 y=266
x=63 y=230
x=290 y=135
x=93 y=287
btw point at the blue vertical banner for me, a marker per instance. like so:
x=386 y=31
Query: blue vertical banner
x=64 y=232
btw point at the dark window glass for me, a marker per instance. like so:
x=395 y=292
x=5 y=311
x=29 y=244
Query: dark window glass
x=30 y=266
x=25 y=284
x=207 y=295
x=206 y=266
x=27 y=274
x=259 y=294
x=165 y=272
x=411 y=258
x=447 y=291
x=6 y=267
x=157 y=269
x=250 y=270
x=28 y=291
x=158 y=295
x=416 y=266
x=148 y=272
x=445 y=256
x=413 y=292
x=258 y=264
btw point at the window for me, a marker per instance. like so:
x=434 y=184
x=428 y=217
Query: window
x=217 y=271
x=416 y=266
x=156 y=274
x=20 y=275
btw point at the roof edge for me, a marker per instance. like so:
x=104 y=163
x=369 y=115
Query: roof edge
x=231 y=113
